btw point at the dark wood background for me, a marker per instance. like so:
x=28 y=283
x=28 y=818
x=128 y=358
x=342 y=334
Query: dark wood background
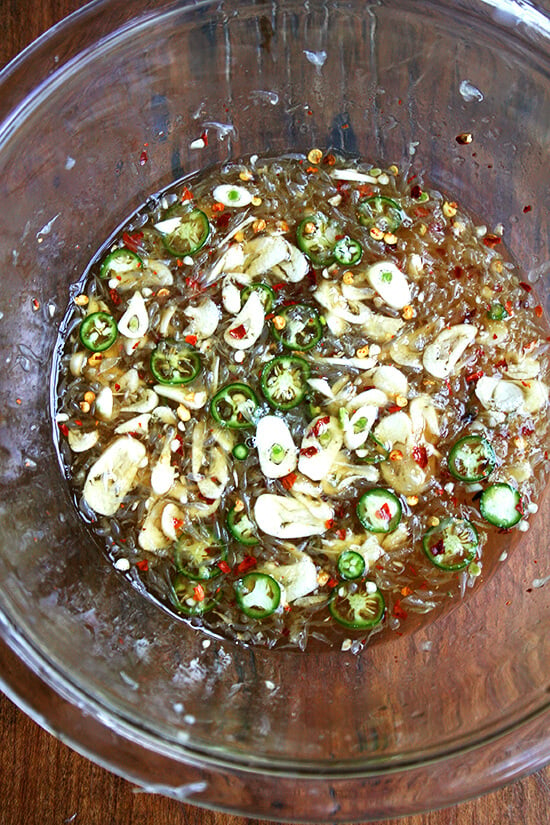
x=43 y=781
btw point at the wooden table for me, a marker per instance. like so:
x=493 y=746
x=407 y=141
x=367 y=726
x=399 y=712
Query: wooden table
x=43 y=781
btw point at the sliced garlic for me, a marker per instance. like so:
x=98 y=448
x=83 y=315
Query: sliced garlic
x=390 y=283
x=276 y=449
x=321 y=444
x=284 y=517
x=245 y=329
x=135 y=321
x=442 y=355
x=112 y=476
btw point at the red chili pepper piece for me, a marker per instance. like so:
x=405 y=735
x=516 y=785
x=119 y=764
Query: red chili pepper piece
x=238 y=332
x=247 y=563
x=318 y=426
x=224 y=567
x=525 y=286
x=384 y=512
x=474 y=376
x=132 y=241
x=492 y=240
x=186 y=195
x=420 y=455
x=222 y=221
x=143 y=565
x=416 y=192
x=398 y=611
x=191 y=339
x=332 y=582
x=289 y=480
x=329 y=523
x=115 y=297
x=198 y=593
x=64 y=429
x=309 y=451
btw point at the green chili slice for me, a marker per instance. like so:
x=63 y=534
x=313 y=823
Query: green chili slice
x=120 y=262
x=265 y=293
x=380 y=212
x=98 y=331
x=258 y=595
x=358 y=605
x=452 y=544
x=198 y=556
x=347 y=251
x=351 y=564
x=194 y=598
x=189 y=234
x=175 y=362
x=302 y=329
x=316 y=236
x=241 y=527
x=379 y=510
x=235 y=406
x=471 y=459
x=284 y=381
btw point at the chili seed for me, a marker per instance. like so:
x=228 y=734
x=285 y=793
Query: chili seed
x=183 y=413
x=84 y=406
x=315 y=156
x=390 y=238
x=401 y=401
x=464 y=138
x=89 y=396
x=279 y=322
x=246 y=175
x=412 y=500
x=362 y=352
x=376 y=233
x=450 y=209
x=95 y=359
x=408 y=312
x=256 y=200
x=259 y=225
x=396 y=455
x=347 y=278
x=81 y=300
x=281 y=226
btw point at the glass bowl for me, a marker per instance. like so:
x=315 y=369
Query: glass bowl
x=107 y=108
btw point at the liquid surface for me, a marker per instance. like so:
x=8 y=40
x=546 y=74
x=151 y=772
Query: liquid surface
x=302 y=399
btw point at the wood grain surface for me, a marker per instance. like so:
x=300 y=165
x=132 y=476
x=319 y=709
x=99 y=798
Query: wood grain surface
x=43 y=781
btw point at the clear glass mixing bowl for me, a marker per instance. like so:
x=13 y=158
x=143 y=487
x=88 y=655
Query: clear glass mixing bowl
x=102 y=111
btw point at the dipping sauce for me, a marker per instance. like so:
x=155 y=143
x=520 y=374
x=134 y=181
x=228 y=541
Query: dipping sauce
x=302 y=399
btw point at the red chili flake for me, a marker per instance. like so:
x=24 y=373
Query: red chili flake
x=398 y=611
x=318 y=426
x=416 y=192
x=204 y=138
x=329 y=524
x=502 y=364
x=222 y=221
x=332 y=582
x=193 y=284
x=309 y=451
x=508 y=307
x=394 y=408
x=224 y=567
x=526 y=287
x=341 y=534
x=289 y=481
x=458 y=271
x=199 y=593
x=474 y=376
x=115 y=297
x=384 y=512
x=365 y=191
x=247 y=563
x=186 y=195
x=78 y=423
x=527 y=430
x=438 y=548
x=35 y=304
x=539 y=311
x=492 y=240
x=206 y=500
x=143 y=158
x=312 y=170
x=64 y=429
x=238 y=332
x=448 y=385
x=420 y=455
x=527 y=208
x=278 y=287
x=132 y=241
x=218 y=207
x=191 y=339
x=329 y=159
x=143 y=565
x=421 y=211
